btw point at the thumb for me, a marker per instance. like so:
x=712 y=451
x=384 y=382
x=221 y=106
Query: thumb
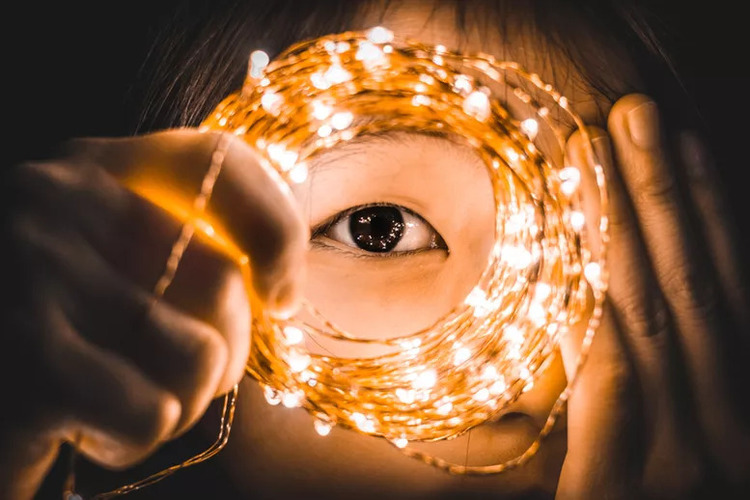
x=252 y=213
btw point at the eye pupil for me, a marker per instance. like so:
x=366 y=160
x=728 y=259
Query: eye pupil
x=377 y=229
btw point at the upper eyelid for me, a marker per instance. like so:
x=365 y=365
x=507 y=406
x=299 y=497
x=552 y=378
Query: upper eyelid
x=326 y=224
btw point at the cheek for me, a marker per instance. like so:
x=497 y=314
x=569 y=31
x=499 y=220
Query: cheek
x=388 y=298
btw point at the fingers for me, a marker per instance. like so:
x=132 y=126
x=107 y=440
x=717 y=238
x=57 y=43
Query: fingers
x=639 y=329
x=604 y=451
x=115 y=414
x=654 y=189
x=185 y=356
x=718 y=230
x=603 y=444
x=250 y=203
x=136 y=237
x=679 y=259
x=216 y=292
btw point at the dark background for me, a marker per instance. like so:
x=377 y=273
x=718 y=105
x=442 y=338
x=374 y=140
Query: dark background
x=72 y=69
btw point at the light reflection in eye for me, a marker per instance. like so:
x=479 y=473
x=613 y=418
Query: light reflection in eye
x=381 y=228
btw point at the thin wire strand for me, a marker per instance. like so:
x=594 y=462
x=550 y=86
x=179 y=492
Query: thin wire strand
x=163 y=283
x=320 y=93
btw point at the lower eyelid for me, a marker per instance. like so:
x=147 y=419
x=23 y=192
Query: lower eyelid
x=328 y=244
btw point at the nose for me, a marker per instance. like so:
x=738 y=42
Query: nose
x=537 y=403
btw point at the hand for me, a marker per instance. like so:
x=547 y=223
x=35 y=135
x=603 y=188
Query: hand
x=83 y=358
x=656 y=411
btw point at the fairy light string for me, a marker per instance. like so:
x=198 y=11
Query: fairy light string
x=541 y=276
x=482 y=355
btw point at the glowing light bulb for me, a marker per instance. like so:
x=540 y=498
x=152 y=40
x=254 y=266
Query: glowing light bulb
x=284 y=157
x=342 y=120
x=325 y=130
x=477 y=297
x=445 y=408
x=337 y=74
x=319 y=81
x=272 y=102
x=482 y=395
x=380 y=35
x=298 y=173
x=537 y=314
x=516 y=257
x=571 y=178
x=425 y=380
x=477 y=104
x=406 y=396
x=293 y=335
x=490 y=373
x=530 y=127
x=462 y=85
x=321 y=111
x=258 y=62
x=498 y=387
x=369 y=53
x=462 y=355
x=420 y=100
x=577 y=220
x=513 y=335
x=321 y=427
x=272 y=395
x=400 y=442
x=363 y=423
x=593 y=274
x=298 y=361
x=512 y=154
x=292 y=399
x=542 y=291
x=259 y=58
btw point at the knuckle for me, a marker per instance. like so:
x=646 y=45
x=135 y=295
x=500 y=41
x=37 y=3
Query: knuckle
x=655 y=184
x=37 y=178
x=686 y=285
x=201 y=376
x=158 y=419
x=206 y=357
x=645 y=316
x=622 y=224
x=147 y=430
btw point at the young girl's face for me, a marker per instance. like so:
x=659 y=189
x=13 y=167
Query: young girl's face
x=401 y=228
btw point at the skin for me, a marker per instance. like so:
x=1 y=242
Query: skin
x=654 y=413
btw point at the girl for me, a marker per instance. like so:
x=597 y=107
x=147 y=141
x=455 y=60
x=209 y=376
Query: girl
x=655 y=412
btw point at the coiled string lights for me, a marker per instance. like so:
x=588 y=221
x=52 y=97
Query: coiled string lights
x=541 y=275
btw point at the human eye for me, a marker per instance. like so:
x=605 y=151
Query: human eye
x=379 y=230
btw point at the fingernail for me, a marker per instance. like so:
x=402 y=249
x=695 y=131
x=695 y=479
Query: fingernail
x=644 y=127
x=284 y=301
x=601 y=148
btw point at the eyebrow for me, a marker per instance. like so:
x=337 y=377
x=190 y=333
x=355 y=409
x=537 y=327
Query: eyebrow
x=327 y=159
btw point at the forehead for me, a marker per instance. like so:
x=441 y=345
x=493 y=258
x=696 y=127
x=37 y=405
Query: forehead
x=512 y=39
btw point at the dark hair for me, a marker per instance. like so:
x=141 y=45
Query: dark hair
x=202 y=56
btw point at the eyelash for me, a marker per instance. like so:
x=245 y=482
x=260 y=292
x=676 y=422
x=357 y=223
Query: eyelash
x=322 y=228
